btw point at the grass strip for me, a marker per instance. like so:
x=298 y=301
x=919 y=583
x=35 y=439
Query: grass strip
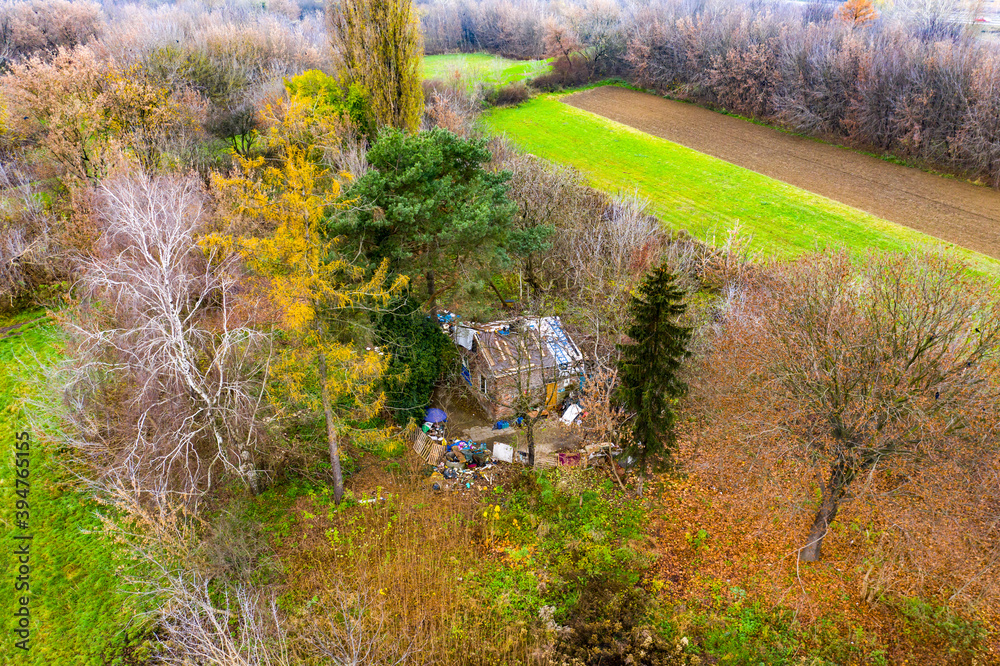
x=702 y=194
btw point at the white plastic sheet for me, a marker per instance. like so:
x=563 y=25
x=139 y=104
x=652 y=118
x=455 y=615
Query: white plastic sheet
x=571 y=413
x=503 y=452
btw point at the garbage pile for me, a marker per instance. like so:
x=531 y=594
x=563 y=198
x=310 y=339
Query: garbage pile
x=465 y=465
x=458 y=464
x=434 y=424
x=448 y=320
x=433 y=430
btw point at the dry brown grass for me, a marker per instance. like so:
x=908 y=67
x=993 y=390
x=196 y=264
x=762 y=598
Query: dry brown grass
x=421 y=552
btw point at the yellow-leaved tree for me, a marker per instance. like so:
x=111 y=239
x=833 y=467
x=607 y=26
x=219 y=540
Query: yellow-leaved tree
x=281 y=211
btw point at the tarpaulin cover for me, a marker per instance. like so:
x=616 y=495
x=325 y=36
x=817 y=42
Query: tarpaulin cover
x=435 y=415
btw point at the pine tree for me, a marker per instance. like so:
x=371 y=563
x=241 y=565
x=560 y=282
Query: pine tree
x=430 y=204
x=649 y=365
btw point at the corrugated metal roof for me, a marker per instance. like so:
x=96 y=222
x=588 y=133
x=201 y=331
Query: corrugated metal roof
x=528 y=344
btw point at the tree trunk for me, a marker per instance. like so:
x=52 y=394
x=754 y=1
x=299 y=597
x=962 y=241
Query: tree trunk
x=641 y=476
x=331 y=434
x=430 y=291
x=496 y=291
x=532 y=279
x=531 y=442
x=833 y=492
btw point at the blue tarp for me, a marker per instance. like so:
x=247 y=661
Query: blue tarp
x=435 y=415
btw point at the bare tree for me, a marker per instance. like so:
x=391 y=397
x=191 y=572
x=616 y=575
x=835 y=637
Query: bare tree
x=605 y=420
x=245 y=629
x=884 y=363
x=351 y=629
x=165 y=381
x=601 y=33
x=603 y=258
x=25 y=244
x=543 y=193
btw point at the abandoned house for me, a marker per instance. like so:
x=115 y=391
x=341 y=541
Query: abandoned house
x=503 y=358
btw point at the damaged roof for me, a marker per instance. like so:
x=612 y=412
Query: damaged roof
x=526 y=344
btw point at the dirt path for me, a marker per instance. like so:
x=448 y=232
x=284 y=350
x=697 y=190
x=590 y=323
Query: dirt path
x=952 y=210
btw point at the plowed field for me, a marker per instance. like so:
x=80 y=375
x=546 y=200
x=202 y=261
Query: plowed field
x=952 y=210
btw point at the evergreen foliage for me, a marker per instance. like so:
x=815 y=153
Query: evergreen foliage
x=650 y=364
x=428 y=204
x=418 y=355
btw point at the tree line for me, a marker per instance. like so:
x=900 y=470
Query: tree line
x=913 y=82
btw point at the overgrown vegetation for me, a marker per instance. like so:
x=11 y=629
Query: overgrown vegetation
x=244 y=240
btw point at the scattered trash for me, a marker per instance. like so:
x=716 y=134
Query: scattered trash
x=446 y=319
x=434 y=431
x=571 y=413
x=503 y=452
x=502 y=425
x=570 y=458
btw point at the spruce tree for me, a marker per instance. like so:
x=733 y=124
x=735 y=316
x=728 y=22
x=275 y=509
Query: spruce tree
x=649 y=366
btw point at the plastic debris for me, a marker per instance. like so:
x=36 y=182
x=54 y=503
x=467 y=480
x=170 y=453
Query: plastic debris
x=503 y=452
x=571 y=413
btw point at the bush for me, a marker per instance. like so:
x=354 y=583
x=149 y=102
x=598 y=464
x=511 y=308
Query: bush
x=511 y=94
x=567 y=72
x=219 y=79
x=37 y=26
x=609 y=629
x=419 y=351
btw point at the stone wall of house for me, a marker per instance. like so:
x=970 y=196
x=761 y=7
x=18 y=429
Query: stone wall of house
x=501 y=392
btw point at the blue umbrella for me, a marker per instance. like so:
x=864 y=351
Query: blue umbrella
x=435 y=415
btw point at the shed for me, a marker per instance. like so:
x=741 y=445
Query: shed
x=501 y=358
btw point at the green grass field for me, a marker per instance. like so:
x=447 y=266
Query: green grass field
x=699 y=193
x=482 y=68
x=77 y=603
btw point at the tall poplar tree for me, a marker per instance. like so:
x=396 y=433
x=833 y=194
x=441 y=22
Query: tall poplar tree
x=649 y=365
x=378 y=45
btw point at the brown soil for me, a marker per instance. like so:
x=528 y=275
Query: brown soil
x=952 y=210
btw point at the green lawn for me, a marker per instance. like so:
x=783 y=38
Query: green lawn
x=702 y=194
x=77 y=603
x=482 y=68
